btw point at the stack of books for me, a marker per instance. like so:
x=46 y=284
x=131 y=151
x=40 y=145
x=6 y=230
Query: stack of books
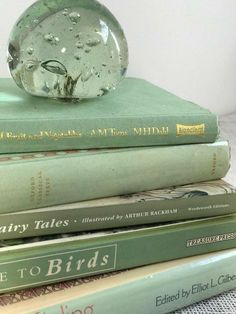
x=112 y=205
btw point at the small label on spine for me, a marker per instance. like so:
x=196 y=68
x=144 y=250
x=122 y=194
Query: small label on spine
x=212 y=239
x=190 y=130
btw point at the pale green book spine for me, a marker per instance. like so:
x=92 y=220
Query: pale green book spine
x=162 y=292
x=159 y=288
x=38 y=261
x=200 y=200
x=136 y=114
x=40 y=180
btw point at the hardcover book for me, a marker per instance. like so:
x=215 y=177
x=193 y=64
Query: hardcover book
x=39 y=261
x=199 y=200
x=34 y=180
x=136 y=114
x=159 y=288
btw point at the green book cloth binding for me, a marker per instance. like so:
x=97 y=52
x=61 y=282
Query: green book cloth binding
x=138 y=113
x=207 y=199
x=39 y=261
x=158 y=288
x=53 y=178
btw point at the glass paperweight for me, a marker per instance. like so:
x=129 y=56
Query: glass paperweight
x=67 y=49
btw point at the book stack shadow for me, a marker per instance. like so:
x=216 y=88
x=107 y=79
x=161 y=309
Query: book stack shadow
x=112 y=205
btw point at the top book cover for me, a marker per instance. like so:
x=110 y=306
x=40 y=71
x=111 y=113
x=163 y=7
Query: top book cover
x=138 y=113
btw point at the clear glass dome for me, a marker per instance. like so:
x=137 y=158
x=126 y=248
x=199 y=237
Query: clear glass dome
x=67 y=49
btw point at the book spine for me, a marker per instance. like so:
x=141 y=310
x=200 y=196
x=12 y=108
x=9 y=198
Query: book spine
x=50 y=135
x=33 y=265
x=157 y=293
x=41 y=182
x=56 y=221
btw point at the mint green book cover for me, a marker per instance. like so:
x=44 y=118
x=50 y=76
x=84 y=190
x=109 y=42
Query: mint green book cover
x=159 y=288
x=199 y=200
x=30 y=181
x=138 y=113
x=39 y=261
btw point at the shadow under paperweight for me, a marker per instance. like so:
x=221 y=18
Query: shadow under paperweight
x=67 y=49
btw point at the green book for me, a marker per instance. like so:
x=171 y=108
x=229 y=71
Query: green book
x=136 y=114
x=199 y=200
x=159 y=288
x=34 y=180
x=38 y=261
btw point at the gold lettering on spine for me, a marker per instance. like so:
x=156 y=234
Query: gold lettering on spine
x=148 y=131
x=58 y=135
x=75 y=134
x=109 y=132
x=190 y=130
x=4 y=136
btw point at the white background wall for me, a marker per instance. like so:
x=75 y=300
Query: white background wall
x=185 y=46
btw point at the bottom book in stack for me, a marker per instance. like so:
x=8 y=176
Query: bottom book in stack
x=158 y=288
